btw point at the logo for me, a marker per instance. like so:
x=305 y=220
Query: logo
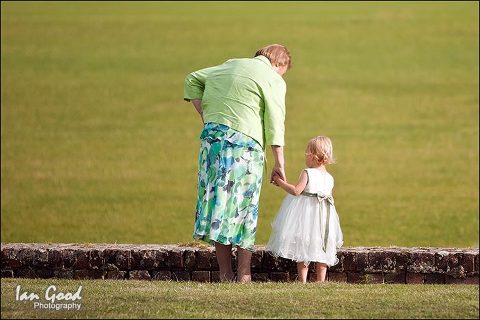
x=54 y=299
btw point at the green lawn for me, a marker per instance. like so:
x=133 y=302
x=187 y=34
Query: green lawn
x=153 y=299
x=97 y=144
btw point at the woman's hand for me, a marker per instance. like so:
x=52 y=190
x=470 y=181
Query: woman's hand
x=279 y=167
x=277 y=173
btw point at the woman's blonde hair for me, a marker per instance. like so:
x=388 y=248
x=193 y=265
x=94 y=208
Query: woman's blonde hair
x=277 y=54
x=322 y=149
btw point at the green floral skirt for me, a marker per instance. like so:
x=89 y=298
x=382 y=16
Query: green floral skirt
x=229 y=185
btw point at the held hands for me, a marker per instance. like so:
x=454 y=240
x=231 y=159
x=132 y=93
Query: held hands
x=277 y=181
x=278 y=176
x=278 y=171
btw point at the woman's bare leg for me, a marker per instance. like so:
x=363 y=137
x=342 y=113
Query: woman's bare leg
x=302 y=271
x=224 y=259
x=244 y=259
x=321 y=271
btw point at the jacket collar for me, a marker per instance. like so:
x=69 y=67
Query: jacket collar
x=264 y=59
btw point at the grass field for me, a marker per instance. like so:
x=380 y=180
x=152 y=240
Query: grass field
x=150 y=299
x=97 y=144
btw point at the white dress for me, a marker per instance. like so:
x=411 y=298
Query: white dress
x=299 y=231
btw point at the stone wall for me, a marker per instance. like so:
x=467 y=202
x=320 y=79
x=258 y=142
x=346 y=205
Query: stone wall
x=181 y=263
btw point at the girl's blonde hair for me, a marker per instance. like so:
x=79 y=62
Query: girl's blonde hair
x=322 y=149
x=277 y=54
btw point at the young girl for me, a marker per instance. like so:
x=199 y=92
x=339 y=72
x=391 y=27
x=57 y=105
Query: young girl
x=307 y=227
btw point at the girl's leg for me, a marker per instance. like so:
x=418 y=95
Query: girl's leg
x=321 y=271
x=244 y=259
x=302 y=271
x=224 y=259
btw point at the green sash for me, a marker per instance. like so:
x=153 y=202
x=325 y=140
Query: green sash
x=329 y=202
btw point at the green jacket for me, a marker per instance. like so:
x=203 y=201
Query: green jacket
x=244 y=94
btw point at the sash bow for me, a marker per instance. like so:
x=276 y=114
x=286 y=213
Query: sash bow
x=328 y=202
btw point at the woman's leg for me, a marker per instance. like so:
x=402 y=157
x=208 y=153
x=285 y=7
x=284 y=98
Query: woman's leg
x=302 y=271
x=321 y=271
x=244 y=259
x=224 y=259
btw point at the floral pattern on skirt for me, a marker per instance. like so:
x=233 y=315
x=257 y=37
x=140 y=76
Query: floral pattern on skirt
x=229 y=185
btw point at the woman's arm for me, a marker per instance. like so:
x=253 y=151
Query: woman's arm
x=293 y=189
x=279 y=167
x=194 y=86
x=194 y=83
x=197 y=103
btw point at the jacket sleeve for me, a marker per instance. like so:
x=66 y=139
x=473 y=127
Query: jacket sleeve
x=274 y=115
x=194 y=84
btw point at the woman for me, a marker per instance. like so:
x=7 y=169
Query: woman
x=242 y=105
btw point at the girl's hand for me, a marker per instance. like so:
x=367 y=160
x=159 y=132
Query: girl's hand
x=272 y=179
x=277 y=180
x=290 y=188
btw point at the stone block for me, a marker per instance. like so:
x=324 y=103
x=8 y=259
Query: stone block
x=476 y=268
x=355 y=261
x=68 y=258
x=260 y=277
x=161 y=257
x=139 y=275
x=109 y=267
x=201 y=276
x=25 y=256
x=55 y=259
x=466 y=280
x=88 y=274
x=163 y=275
x=336 y=276
x=293 y=275
x=119 y=258
x=414 y=278
x=387 y=261
x=189 y=260
x=365 y=278
x=469 y=262
x=45 y=273
x=82 y=261
x=206 y=260
x=116 y=275
x=214 y=276
x=436 y=278
x=374 y=278
x=422 y=262
x=26 y=272
x=277 y=264
x=175 y=258
x=375 y=261
x=441 y=260
x=398 y=277
x=63 y=274
x=257 y=260
x=10 y=259
x=311 y=277
x=455 y=264
x=144 y=259
x=280 y=276
x=40 y=258
x=339 y=266
x=95 y=259
x=7 y=273
x=181 y=276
